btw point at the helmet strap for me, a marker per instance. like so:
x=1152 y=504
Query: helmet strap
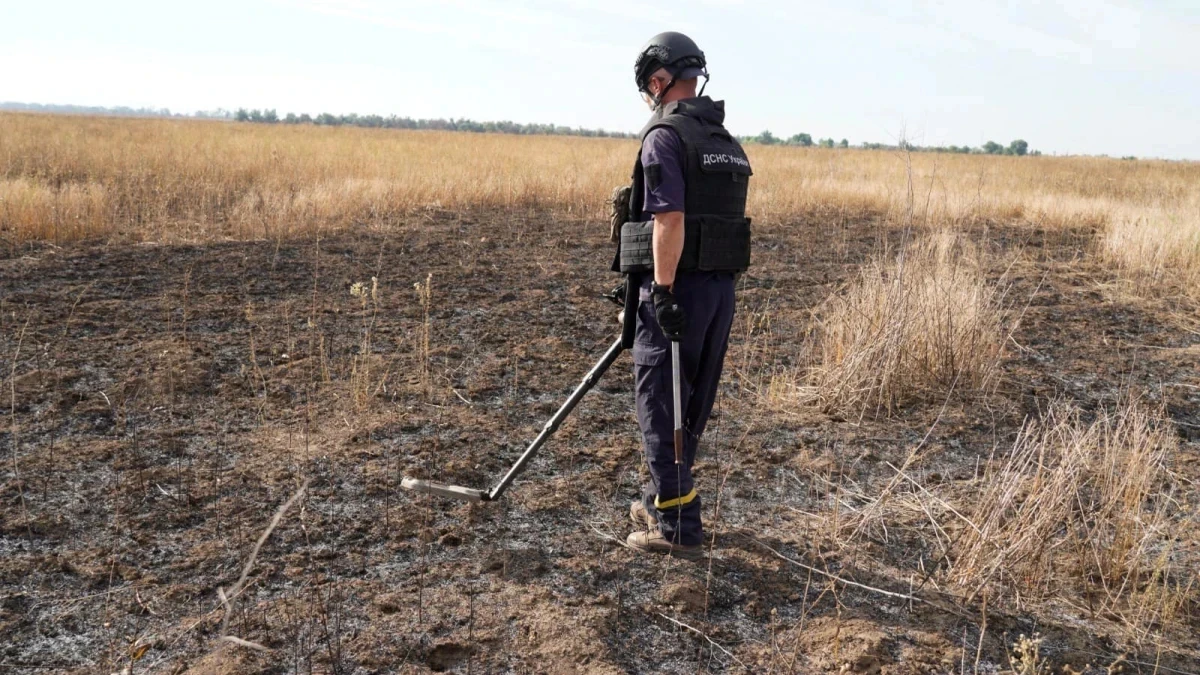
x=658 y=99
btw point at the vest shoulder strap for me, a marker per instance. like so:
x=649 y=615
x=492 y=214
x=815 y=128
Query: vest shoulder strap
x=690 y=129
x=637 y=193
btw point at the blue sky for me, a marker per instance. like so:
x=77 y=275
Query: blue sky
x=1069 y=76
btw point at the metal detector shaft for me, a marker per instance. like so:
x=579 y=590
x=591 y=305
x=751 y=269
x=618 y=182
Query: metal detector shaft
x=675 y=388
x=552 y=425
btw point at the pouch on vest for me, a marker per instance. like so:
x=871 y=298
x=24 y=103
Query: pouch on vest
x=710 y=244
x=618 y=213
x=637 y=247
x=724 y=244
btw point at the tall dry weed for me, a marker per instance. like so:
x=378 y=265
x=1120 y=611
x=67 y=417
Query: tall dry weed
x=923 y=322
x=1087 y=507
x=366 y=380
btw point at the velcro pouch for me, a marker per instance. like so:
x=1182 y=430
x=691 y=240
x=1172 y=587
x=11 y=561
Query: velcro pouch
x=637 y=247
x=724 y=244
x=619 y=210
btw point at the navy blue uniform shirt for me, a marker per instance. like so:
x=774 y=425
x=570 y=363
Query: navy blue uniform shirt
x=662 y=163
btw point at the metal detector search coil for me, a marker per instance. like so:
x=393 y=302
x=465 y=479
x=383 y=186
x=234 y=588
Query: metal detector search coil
x=443 y=490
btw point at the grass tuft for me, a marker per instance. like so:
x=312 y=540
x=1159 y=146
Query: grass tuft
x=1085 y=507
x=922 y=323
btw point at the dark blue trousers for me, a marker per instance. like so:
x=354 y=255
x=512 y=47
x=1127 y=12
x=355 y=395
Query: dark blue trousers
x=707 y=298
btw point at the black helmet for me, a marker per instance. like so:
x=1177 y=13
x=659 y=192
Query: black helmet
x=673 y=51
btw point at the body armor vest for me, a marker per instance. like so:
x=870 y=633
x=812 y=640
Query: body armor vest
x=716 y=176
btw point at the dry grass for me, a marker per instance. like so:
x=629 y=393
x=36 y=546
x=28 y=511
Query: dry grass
x=963 y=189
x=64 y=178
x=1083 y=517
x=1087 y=508
x=923 y=322
x=1157 y=245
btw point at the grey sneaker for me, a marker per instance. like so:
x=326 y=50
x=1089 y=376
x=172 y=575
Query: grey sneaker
x=654 y=542
x=641 y=517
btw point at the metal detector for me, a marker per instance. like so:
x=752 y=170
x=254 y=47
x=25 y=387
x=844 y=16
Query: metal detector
x=473 y=495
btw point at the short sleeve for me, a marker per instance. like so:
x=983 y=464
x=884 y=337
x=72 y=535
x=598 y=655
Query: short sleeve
x=662 y=162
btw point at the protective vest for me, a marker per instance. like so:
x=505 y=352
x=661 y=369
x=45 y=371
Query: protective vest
x=716 y=176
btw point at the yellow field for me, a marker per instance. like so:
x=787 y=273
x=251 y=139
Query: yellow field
x=65 y=178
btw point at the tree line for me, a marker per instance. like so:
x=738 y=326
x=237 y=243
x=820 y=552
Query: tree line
x=1018 y=147
x=270 y=116
x=69 y=109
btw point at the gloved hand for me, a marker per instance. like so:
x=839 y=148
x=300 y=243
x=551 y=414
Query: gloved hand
x=670 y=315
x=617 y=295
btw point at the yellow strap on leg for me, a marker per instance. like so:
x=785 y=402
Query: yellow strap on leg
x=678 y=501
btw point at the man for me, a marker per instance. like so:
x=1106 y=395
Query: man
x=689 y=238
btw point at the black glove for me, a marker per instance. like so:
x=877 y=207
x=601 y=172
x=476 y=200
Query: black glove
x=670 y=315
x=616 y=295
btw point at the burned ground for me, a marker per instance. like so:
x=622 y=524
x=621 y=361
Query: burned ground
x=162 y=401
